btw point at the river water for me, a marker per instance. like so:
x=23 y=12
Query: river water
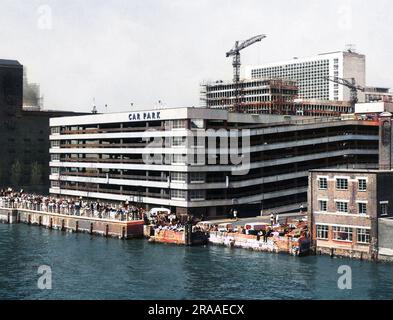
x=91 y=267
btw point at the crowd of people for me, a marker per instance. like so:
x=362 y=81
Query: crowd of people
x=169 y=222
x=264 y=231
x=77 y=206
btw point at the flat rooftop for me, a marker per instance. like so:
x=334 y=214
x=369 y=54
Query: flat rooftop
x=5 y=62
x=353 y=170
x=154 y=114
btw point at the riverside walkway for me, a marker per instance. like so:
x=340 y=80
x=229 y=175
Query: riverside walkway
x=63 y=216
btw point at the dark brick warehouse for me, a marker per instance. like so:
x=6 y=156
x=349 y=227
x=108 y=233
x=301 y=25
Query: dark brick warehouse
x=24 y=134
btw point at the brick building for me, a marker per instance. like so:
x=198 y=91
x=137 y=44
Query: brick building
x=344 y=208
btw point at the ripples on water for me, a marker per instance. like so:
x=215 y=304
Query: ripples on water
x=86 y=267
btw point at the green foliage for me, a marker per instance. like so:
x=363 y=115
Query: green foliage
x=36 y=174
x=16 y=173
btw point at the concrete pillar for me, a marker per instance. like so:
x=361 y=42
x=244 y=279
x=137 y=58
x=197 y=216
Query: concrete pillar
x=188 y=234
x=385 y=141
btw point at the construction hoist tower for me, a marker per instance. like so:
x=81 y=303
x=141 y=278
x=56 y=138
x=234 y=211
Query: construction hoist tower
x=235 y=52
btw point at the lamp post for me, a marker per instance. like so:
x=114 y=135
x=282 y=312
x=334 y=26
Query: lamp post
x=261 y=207
x=234 y=210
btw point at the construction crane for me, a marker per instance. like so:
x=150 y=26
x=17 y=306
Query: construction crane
x=351 y=84
x=235 y=52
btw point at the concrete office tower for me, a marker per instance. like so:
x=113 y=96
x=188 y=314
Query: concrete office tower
x=310 y=73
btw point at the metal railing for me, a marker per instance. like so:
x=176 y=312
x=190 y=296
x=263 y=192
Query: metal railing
x=71 y=210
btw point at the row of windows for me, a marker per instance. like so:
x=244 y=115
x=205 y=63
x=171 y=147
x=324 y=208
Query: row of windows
x=195 y=177
x=174 y=124
x=175 y=193
x=296 y=67
x=182 y=194
x=343 y=234
x=342 y=207
x=342 y=184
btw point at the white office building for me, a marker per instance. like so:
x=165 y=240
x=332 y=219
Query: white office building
x=310 y=74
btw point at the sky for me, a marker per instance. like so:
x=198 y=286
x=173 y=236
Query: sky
x=118 y=52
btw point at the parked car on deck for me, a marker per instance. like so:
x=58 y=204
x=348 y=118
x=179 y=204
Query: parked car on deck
x=155 y=211
x=254 y=227
x=225 y=227
x=204 y=225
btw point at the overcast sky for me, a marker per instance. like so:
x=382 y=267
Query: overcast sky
x=123 y=51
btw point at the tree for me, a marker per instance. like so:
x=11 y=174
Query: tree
x=36 y=174
x=2 y=183
x=16 y=173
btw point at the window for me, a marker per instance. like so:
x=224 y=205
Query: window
x=55 y=157
x=55 y=130
x=342 y=206
x=342 y=184
x=55 y=143
x=179 y=158
x=54 y=170
x=178 y=194
x=178 y=124
x=322 y=232
x=322 y=205
x=179 y=141
x=197 y=123
x=342 y=234
x=363 y=236
x=362 y=208
x=55 y=184
x=384 y=209
x=362 y=184
x=178 y=176
x=323 y=183
x=197 y=177
x=197 y=195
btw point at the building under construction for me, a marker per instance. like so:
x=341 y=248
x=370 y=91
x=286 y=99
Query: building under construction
x=323 y=108
x=378 y=94
x=274 y=96
x=267 y=96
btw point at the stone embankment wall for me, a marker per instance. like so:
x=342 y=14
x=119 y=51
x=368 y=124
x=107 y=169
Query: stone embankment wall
x=385 y=239
x=97 y=226
x=289 y=245
x=169 y=236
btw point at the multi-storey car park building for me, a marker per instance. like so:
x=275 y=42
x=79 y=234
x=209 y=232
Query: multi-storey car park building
x=109 y=156
x=310 y=74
